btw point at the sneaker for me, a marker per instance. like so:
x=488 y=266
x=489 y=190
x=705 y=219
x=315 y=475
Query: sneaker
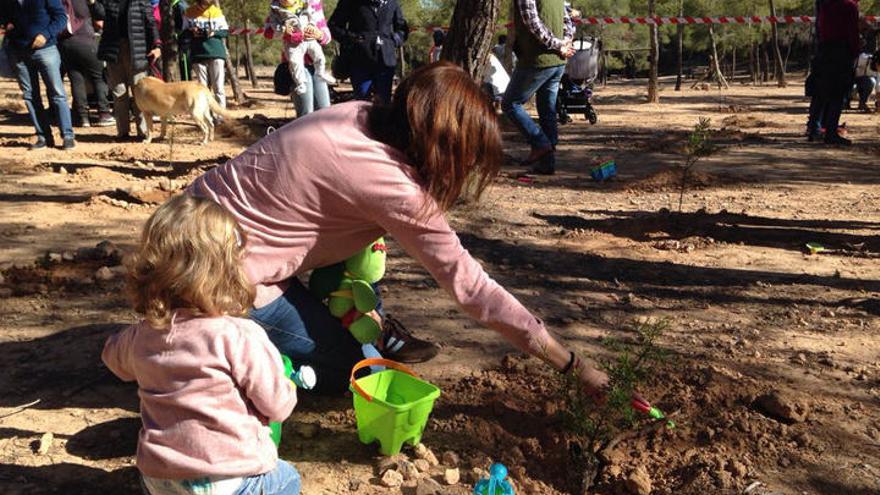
x=82 y=122
x=814 y=135
x=105 y=120
x=537 y=155
x=837 y=139
x=69 y=144
x=400 y=345
x=541 y=169
x=39 y=144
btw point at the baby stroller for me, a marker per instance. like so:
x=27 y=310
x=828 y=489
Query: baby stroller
x=576 y=86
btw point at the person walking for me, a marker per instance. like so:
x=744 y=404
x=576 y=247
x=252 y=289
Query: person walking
x=79 y=58
x=370 y=32
x=32 y=28
x=130 y=41
x=542 y=43
x=204 y=28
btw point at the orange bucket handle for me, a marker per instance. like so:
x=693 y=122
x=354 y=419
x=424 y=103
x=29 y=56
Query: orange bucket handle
x=376 y=362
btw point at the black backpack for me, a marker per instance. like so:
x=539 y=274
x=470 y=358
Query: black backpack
x=282 y=80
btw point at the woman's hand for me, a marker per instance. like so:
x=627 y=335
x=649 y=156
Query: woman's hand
x=594 y=381
x=311 y=32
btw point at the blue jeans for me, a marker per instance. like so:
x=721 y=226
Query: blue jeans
x=544 y=83
x=380 y=79
x=302 y=328
x=316 y=97
x=45 y=63
x=283 y=480
x=865 y=86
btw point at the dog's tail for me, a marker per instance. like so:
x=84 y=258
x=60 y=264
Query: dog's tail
x=216 y=109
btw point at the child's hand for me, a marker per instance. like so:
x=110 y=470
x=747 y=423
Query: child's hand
x=313 y=33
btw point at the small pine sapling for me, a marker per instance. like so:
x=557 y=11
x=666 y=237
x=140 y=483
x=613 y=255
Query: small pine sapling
x=698 y=147
x=594 y=426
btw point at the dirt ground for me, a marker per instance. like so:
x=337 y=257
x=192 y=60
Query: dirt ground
x=751 y=312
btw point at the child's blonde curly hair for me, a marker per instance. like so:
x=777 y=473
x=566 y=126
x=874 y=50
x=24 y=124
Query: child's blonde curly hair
x=189 y=258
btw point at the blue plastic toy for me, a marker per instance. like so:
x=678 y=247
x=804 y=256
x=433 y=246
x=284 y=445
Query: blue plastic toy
x=496 y=484
x=604 y=171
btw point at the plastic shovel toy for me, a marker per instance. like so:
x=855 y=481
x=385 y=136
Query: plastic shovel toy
x=304 y=378
x=642 y=406
x=495 y=484
x=815 y=248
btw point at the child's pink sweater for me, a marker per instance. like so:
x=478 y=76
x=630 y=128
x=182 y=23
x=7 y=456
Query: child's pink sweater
x=207 y=388
x=320 y=189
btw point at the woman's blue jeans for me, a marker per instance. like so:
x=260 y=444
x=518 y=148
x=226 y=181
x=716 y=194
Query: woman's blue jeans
x=302 y=328
x=316 y=97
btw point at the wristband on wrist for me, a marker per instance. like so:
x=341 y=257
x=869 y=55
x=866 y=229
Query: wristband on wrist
x=568 y=366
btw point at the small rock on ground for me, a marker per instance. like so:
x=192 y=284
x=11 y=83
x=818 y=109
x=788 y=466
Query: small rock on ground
x=104 y=273
x=450 y=458
x=638 y=482
x=452 y=476
x=408 y=470
x=392 y=478
x=422 y=465
x=780 y=406
x=428 y=486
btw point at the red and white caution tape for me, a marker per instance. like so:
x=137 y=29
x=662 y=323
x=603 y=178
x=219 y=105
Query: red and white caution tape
x=736 y=19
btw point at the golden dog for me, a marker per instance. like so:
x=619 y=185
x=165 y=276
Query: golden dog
x=156 y=97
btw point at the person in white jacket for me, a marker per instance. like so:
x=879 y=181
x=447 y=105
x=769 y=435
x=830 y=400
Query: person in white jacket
x=867 y=80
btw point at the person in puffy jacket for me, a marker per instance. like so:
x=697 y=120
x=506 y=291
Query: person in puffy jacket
x=129 y=42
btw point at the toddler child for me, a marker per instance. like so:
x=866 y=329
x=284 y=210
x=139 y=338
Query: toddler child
x=292 y=17
x=209 y=380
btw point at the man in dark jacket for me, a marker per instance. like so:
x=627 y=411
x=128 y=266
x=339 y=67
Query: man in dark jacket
x=130 y=41
x=369 y=32
x=32 y=27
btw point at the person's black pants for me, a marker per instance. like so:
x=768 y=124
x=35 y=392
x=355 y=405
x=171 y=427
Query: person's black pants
x=80 y=61
x=833 y=81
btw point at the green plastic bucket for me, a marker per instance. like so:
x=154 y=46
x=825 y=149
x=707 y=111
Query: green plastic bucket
x=275 y=426
x=391 y=406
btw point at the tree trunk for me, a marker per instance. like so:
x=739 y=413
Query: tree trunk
x=765 y=52
x=249 y=57
x=471 y=35
x=653 y=57
x=170 y=53
x=235 y=55
x=719 y=77
x=753 y=68
x=733 y=68
x=780 y=67
x=679 y=47
x=232 y=75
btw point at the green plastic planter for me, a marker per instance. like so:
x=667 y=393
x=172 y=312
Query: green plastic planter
x=391 y=406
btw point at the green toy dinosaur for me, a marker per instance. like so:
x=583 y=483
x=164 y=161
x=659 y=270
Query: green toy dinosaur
x=348 y=286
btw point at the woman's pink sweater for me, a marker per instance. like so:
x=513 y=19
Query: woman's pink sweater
x=321 y=188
